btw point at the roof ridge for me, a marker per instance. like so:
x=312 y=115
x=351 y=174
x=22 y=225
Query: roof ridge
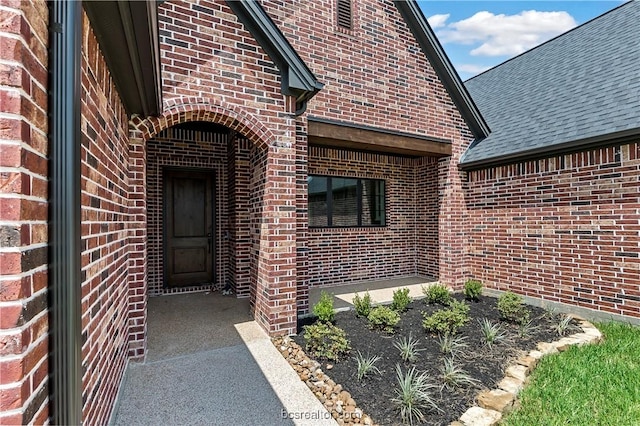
x=553 y=39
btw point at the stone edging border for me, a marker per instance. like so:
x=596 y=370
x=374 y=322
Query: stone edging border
x=493 y=403
x=336 y=400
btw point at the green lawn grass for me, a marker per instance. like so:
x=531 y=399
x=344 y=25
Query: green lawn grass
x=589 y=385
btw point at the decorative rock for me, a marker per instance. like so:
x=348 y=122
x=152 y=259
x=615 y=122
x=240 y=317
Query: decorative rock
x=337 y=388
x=528 y=361
x=536 y=354
x=547 y=348
x=344 y=396
x=564 y=343
x=497 y=399
x=367 y=420
x=511 y=385
x=517 y=372
x=476 y=416
x=329 y=366
x=456 y=423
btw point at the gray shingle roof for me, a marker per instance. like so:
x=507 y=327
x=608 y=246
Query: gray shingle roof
x=579 y=86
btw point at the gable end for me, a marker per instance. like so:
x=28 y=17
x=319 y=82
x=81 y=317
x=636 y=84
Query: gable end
x=431 y=47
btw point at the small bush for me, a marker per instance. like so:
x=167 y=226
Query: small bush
x=413 y=395
x=325 y=340
x=362 y=305
x=454 y=376
x=408 y=347
x=512 y=309
x=451 y=345
x=563 y=325
x=366 y=365
x=472 y=289
x=437 y=293
x=401 y=300
x=447 y=321
x=383 y=318
x=324 y=308
x=491 y=333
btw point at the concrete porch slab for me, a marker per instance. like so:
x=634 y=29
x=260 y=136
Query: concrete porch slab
x=381 y=291
x=209 y=364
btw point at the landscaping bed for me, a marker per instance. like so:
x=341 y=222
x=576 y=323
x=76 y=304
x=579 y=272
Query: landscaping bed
x=476 y=365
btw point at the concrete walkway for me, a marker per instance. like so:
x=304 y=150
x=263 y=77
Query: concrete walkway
x=209 y=364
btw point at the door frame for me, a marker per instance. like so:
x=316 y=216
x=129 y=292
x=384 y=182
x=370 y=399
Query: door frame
x=166 y=171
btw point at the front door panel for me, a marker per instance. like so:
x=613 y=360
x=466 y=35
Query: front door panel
x=188 y=220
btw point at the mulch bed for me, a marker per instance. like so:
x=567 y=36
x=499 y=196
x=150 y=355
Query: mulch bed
x=374 y=393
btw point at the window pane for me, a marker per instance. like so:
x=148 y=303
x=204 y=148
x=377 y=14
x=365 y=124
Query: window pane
x=318 y=213
x=345 y=201
x=372 y=202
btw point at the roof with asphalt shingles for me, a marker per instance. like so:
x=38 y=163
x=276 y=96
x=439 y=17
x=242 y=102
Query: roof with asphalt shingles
x=582 y=84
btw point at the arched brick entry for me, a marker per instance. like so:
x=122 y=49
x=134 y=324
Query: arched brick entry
x=182 y=110
x=273 y=278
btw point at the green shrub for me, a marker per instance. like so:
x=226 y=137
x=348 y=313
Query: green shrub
x=383 y=318
x=366 y=365
x=413 y=395
x=447 y=321
x=362 y=305
x=472 y=289
x=511 y=308
x=437 y=293
x=401 y=300
x=324 y=308
x=325 y=340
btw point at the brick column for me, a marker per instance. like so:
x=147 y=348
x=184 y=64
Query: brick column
x=275 y=296
x=453 y=220
x=23 y=213
x=138 y=247
x=302 y=219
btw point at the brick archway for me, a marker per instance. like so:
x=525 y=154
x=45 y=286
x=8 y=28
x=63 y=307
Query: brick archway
x=177 y=111
x=181 y=110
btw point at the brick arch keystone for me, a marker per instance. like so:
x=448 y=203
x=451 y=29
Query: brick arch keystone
x=182 y=110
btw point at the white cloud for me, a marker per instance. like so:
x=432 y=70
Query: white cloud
x=438 y=21
x=505 y=35
x=472 y=69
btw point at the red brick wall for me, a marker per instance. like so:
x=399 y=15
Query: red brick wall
x=206 y=52
x=375 y=75
x=23 y=212
x=565 y=229
x=427 y=202
x=241 y=230
x=105 y=234
x=410 y=237
x=209 y=59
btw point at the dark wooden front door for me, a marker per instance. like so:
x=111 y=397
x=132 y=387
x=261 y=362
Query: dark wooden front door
x=189 y=231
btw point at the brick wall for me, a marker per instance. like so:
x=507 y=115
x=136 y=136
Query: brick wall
x=377 y=75
x=23 y=212
x=410 y=237
x=564 y=229
x=105 y=234
x=374 y=75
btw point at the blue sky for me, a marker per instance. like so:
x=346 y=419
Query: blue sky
x=480 y=34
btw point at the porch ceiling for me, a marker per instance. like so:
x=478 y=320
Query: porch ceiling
x=363 y=138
